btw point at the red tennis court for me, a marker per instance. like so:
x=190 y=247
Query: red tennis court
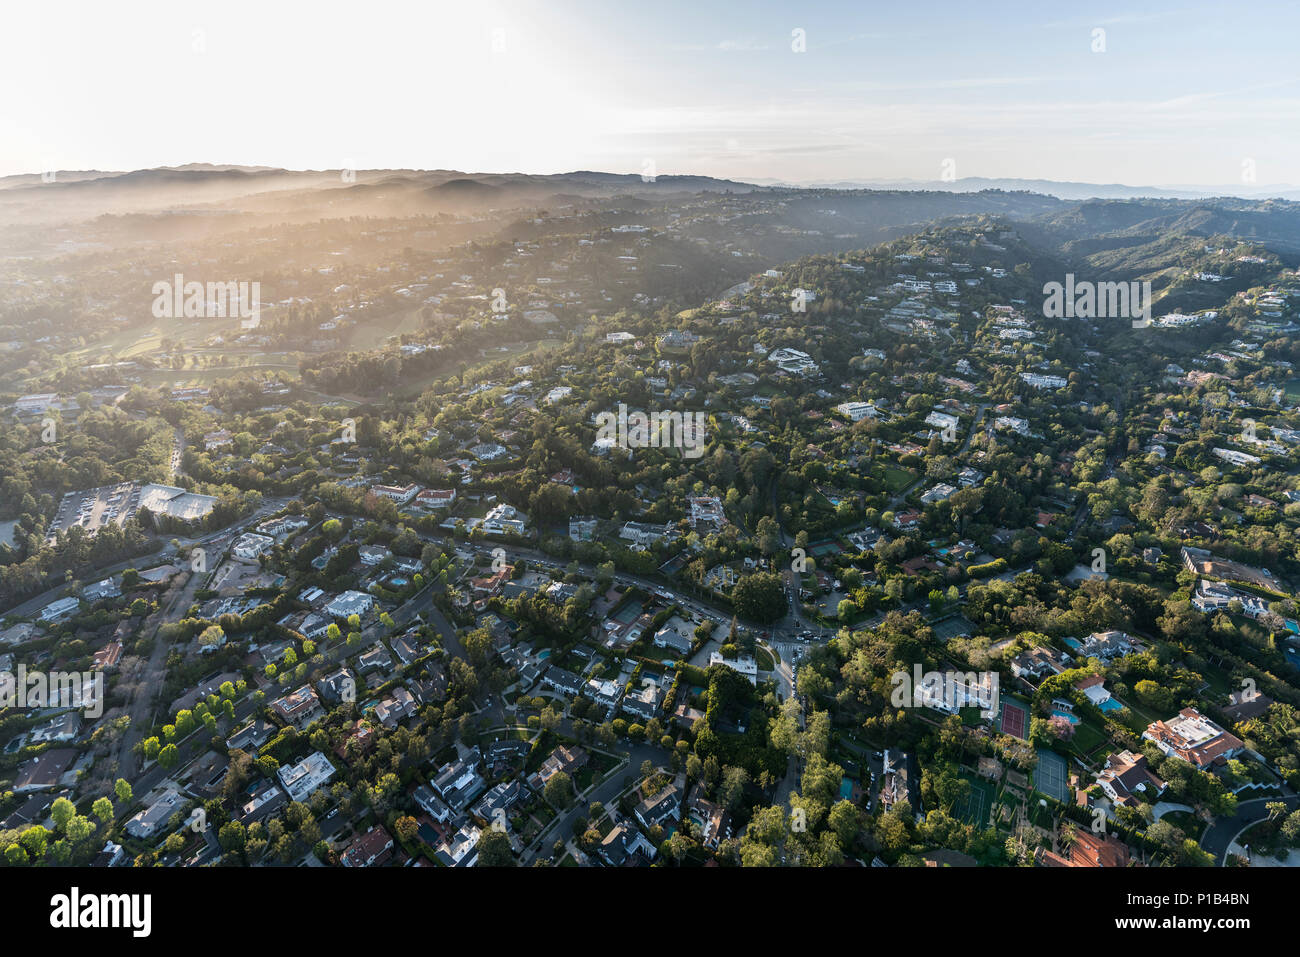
x=1015 y=719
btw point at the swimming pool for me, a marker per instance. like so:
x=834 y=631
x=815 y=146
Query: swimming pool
x=1058 y=713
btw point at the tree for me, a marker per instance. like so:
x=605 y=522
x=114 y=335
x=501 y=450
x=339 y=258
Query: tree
x=760 y=597
x=407 y=826
x=102 y=809
x=124 y=791
x=61 y=811
x=559 y=790
x=846 y=821
x=494 y=848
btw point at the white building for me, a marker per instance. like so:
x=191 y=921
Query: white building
x=504 y=519
x=351 y=603
x=250 y=546
x=302 y=780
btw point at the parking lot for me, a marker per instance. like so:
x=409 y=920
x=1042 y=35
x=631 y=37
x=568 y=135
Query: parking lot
x=93 y=509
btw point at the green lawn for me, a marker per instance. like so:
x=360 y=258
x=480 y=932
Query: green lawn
x=897 y=479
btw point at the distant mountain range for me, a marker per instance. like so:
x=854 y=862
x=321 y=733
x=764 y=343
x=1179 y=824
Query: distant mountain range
x=1078 y=218
x=1057 y=188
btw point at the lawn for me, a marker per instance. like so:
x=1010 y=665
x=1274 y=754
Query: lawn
x=897 y=479
x=1087 y=738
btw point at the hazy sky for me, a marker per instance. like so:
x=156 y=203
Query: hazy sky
x=1184 y=93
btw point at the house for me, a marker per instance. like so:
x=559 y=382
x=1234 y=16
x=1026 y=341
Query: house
x=1216 y=596
x=461 y=849
x=1194 y=738
x=1039 y=663
x=250 y=546
x=504 y=752
x=458 y=782
x=1094 y=689
x=1246 y=704
x=371 y=849
x=1086 y=849
x=405 y=648
x=563 y=681
x=563 y=758
x=743 y=664
x=1125 y=775
x=712 y=819
x=504 y=519
x=251 y=736
x=604 y=692
x=583 y=528
x=432 y=499
x=60 y=609
x=792 y=361
x=266 y=800
x=302 y=779
x=372 y=555
x=1107 y=644
x=661 y=808
x=107 y=658
x=644 y=702
x=907 y=520
x=110 y=856
x=284 y=525
x=144 y=824
x=625 y=845
x=217 y=440
x=706 y=513
x=351 y=603
x=375 y=658
x=397 y=706
x=898 y=785
x=497 y=802
x=643 y=534
x=338 y=686
x=857 y=411
x=401 y=494
x=43 y=771
x=108 y=588
x=300 y=708
x=670 y=638
x=433 y=805
x=61 y=728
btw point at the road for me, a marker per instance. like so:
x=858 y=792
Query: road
x=32 y=606
x=1221 y=832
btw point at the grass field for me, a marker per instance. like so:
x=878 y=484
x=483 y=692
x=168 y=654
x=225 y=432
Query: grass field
x=897 y=479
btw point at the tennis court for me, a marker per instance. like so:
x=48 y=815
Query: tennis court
x=1014 y=719
x=1049 y=776
x=974 y=808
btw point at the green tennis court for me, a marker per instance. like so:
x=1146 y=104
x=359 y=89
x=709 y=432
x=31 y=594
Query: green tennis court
x=1050 y=776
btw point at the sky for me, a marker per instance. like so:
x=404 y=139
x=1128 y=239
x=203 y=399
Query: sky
x=1176 y=94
